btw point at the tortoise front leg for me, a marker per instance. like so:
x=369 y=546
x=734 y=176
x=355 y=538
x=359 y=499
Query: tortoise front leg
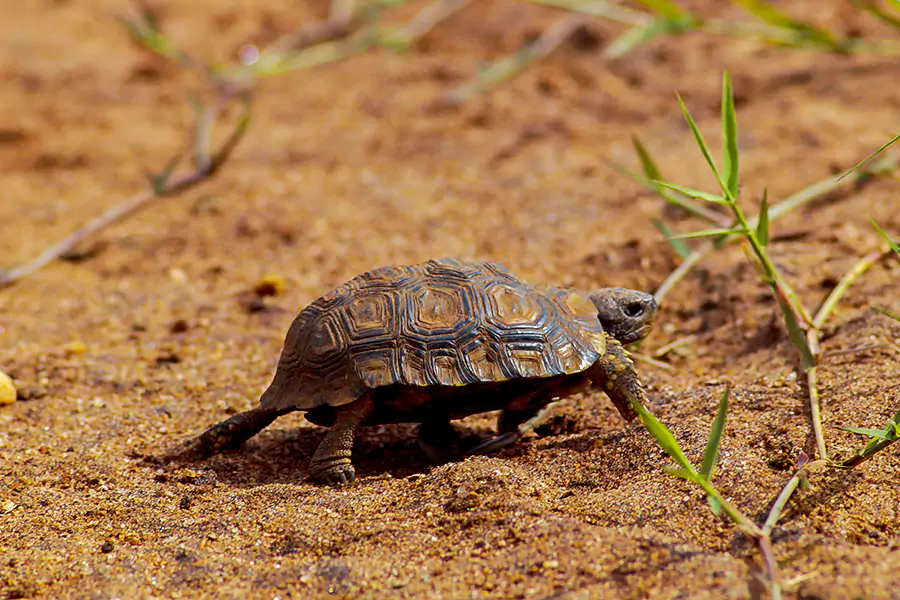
x=230 y=433
x=331 y=462
x=615 y=372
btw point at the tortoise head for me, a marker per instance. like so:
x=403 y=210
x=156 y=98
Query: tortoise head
x=625 y=314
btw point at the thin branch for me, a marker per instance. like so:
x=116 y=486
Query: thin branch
x=812 y=338
x=511 y=66
x=338 y=24
x=601 y=8
x=844 y=284
x=429 y=17
x=652 y=361
x=764 y=542
x=680 y=272
x=857 y=350
x=805 y=470
x=166 y=186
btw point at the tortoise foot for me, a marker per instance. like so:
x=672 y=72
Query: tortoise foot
x=187 y=451
x=334 y=474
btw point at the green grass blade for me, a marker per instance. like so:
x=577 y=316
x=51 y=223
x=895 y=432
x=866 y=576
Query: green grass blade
x=773 y=16
x=698 y=137
x=888 y=312
x=795 y=332
x=762 y=228
x=767 y=13
x=634 y=38
x=678 y=200
x=711 y=454
x=649 y=165
x=715 y=232
x=729 y=138
x=894 y=246
x=714 y=505
x=881 y=434
x=664 y=438
x=158 y=181
x=874 y=10
x=666 y=8
x=680 y=248
x=699 y=195
x=680 y=473
x=869 y=157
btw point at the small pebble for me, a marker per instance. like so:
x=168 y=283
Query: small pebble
x=270 y=285
x=7 y=389
x=107 y=547
x=8 y=506
x=74 y=347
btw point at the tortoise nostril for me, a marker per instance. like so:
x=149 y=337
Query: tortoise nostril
x=634 y=309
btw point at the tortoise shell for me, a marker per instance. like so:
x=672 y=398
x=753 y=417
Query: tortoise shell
x=445 y=322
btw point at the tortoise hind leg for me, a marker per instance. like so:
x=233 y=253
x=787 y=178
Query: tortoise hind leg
x=516 y=430
x=439 y=440
x=230 y=433
x=331 y=462
x=528 y=412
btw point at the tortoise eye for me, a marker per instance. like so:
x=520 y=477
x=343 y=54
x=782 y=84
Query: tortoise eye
x=634 y=309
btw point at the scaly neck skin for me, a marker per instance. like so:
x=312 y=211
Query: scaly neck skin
x=615 y=373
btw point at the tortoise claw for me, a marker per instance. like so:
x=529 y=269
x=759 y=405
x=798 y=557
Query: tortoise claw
x=336 y=475
x=191 y=450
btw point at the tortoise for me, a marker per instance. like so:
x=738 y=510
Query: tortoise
x=437 y=341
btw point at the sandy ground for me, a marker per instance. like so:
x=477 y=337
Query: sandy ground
x=120 y=356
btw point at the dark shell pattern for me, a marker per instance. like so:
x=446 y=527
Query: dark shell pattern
x=445 y=322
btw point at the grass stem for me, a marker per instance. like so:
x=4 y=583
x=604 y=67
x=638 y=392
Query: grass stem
x=815 y=408
x=679 y=273
x=781 y=501
x=868 y=453
x=844 y=284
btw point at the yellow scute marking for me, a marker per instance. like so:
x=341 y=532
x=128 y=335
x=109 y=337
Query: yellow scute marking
x=368 y=312
x=446 y=370
x=484 y=365
x=580 y=306
x=437 y=308
x=375 y=371
x=514 y=307
x=597 y=339
x=324 y=339
x=569 y=358
x=528 y=362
